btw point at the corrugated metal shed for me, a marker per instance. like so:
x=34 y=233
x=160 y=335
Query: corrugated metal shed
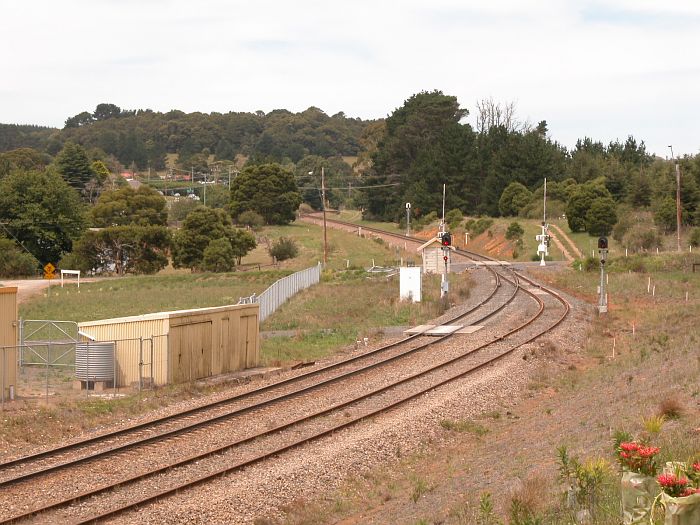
x=184 y=345
x=8 y=338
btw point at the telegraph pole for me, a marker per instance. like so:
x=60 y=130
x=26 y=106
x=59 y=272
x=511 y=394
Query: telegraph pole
x=678 y=201
x=323 y=203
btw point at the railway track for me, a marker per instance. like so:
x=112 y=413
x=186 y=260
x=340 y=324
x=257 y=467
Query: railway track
x=388 y=389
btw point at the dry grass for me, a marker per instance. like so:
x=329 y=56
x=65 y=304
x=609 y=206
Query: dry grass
x=671 y=407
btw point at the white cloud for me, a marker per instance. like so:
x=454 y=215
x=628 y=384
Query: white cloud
x=605 y=69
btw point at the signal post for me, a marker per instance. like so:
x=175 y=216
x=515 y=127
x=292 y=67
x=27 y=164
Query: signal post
x=603 y=296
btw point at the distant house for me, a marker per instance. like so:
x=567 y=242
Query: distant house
x=127 y=175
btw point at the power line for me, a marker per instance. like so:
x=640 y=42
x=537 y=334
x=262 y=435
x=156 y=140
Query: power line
x=354 y=187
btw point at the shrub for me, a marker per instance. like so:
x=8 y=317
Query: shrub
x=695 y=237
x=218 y=256
x=671 y=408
x=589 y=264
x=480 y=225
x=284 y=248
x=251 y=219
x=514 y=231
x=453 y=218
x=641 y=237
x=180 y=209
x=14 y=262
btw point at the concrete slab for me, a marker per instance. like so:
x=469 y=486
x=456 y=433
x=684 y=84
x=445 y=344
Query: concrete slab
x=444 y=329
x=419 y=329
x=469 y=329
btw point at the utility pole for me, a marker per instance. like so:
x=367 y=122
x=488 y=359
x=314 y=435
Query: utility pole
x=323 y=203
x=229 y=178
x=205 y=188
x=678 y=201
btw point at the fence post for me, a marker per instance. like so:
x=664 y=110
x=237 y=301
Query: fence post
x=140 y=363
x=48 y=358
x=21 y=342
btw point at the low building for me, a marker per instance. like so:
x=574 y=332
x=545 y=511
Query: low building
x=178 y=346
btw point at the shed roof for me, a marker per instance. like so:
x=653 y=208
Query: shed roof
x=154 y=316
x=431 y=241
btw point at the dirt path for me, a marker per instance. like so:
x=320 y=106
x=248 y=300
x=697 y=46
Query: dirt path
x=29 y=288
x=568 y=240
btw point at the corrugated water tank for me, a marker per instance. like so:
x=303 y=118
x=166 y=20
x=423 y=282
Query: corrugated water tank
x=94 y=361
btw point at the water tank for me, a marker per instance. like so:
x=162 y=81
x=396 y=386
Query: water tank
x=94 y=361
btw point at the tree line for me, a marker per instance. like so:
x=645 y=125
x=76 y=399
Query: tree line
x=72 y=212
x=50 y=200
x=498 y=168
x=142 y=138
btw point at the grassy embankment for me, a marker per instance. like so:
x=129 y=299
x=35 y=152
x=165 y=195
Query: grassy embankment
x=503 y=467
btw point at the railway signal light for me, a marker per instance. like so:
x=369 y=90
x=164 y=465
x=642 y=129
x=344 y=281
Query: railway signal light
x=444 y=258
x=603 y=243
x=446 y=239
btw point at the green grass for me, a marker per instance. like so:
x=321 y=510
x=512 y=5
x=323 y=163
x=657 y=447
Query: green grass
x=137 y=295
x=343 y=248
x=464 y=425
x=344 y=307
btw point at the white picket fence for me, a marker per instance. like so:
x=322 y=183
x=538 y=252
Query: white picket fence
x=281 y=290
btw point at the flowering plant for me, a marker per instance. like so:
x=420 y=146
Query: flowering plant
x=638 y=458
x=693 y=473
x=676 y=486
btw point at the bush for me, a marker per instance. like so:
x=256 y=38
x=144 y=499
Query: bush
x=590 y=264
x=180 y=209
x=514 y=231
x=695 y=237
x=14 y=262
x=284 y=248
x=479 y=226
x=640 y=237
x=218 y=256
x=251 y=219
x=453 y=218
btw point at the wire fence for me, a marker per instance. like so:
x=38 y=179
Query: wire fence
x=58 y=370
x=280 y=291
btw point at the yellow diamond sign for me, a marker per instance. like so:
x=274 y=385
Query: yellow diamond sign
x=49 y=270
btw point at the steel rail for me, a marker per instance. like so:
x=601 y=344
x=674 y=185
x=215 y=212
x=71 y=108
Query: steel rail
x=241 y=464
x=227 y=400
x=279 y=428
x=390 y=386
x=24 y=476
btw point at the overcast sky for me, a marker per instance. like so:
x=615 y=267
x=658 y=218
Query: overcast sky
x=603 y=69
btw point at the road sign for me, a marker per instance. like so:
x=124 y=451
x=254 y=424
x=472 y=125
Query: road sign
x=49 y=270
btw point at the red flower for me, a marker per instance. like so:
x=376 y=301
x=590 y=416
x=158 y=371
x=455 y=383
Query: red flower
x=673 y=485
x=689 y=492
x=647 y=452
x=696 y=466
x=629 y=447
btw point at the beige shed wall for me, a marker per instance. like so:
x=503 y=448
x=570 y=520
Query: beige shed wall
x=8 y=338
x=187 y=345
x=213 y=341
x=433 y=261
